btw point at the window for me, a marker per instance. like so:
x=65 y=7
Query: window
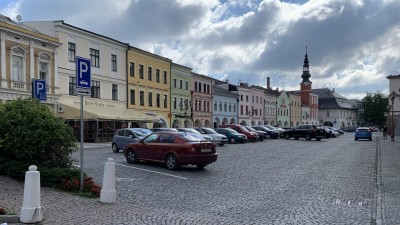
x=225 y=107
x=72 y=86
x=252 y=99
x=199 y=105
x=208 y=107
x=95 y=57
x=187 y=85
x=234 y=107
x=165 y=101
x=241 y=97
x=241 y=110
x=208 y=89
x=114 y=92
x=158 y=100
x=133 y=97
x=247 y=98
x=181 y=84
x=71 y=52
x=150 y=99
x=215 y=106
x=205 y=88
x=174 y=82
x=199 y=87
x=141 y=98
x=174 y=102
x=18 y=68
x=181 y=103
x=230 y=107
x=165 y=78
x=132 y=69
x=158 y=75
x=150 y=73
x=205 y=106
x=256 y=99
x=141 y=71
x=195 y=105
x=220 y=106
x=195 y=86
x=43 y=67
x=95 y=89
x=113 y=62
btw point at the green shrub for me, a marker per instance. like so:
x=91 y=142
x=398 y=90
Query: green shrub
x=31 y=133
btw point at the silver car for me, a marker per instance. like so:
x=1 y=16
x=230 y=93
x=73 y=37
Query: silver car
x=125 y=136
x=217 y=138
x=191 y=130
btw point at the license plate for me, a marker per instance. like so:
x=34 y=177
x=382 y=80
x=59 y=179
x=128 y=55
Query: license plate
x=206 y=150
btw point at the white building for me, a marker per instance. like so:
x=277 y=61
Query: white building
x=394 y=103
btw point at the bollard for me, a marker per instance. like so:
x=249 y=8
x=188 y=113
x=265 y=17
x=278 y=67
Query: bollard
x=108 y=193
x=31 y=211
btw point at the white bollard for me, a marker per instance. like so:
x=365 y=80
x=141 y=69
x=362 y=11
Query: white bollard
x=31 y=211
x=108 y=193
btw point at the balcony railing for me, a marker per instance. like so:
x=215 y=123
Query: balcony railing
x=18 y=85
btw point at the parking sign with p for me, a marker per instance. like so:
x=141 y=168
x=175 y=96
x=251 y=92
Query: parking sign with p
x=83 y=73
x=39 y=89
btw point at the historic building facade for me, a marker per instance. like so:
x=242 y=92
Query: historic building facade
x=225 y=100
x=202 y=100
x=26 y=54
x=181 y=96
x=393 y=113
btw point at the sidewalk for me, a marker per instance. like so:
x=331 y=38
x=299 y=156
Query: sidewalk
x=390 y=171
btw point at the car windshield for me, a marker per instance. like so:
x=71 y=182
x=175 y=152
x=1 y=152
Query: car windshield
x=191 y=130
x=250 y=129
x=209 y=131
x=232 y=131
x=190 y=137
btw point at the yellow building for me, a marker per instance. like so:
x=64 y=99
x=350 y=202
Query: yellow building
x=27 y=54
x=149 y=88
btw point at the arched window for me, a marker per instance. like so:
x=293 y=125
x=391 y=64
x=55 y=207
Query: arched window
x=44 y=62
x=18 y=66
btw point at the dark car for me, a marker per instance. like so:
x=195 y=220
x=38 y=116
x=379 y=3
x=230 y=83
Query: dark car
x=232 y=135
x=307 y=131
x=261 y=134
x=124 y=136
x=173 y=149
x=270 y=133
x=252 y=136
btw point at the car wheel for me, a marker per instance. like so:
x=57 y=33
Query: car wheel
x=170 y=162
x=318 y=139
x=287 y=136
x=308 y=137
x=115 y=148
x=232 y=140
x=221 y=144
x=296 y=138
x=131 y=156
x=355 y=139
x=201 y=166
x=370 y=139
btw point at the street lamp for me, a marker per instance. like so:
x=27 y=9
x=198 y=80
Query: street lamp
x=251 y=113
x=392 y=97
x=184 y=108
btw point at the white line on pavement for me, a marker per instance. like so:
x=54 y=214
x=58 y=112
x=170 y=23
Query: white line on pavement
x=166 y=174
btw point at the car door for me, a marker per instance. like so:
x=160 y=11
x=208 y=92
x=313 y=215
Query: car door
x=147 y=148
x=165 y=144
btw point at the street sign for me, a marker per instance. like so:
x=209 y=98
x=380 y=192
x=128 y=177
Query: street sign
x=83 y=91
x=39 y=90
x=83 y=73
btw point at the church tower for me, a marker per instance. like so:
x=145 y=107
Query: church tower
x=305 y=85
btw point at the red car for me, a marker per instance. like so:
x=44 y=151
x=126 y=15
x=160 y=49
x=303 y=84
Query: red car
x=252 y=136
x=173 y=149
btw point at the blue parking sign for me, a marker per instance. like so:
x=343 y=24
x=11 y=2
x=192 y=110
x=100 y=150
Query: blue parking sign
x=39 y=89
x=83 y=73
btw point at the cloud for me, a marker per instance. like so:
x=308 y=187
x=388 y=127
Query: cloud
x=352 y=45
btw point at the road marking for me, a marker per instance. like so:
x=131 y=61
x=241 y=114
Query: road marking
x=151 y=171
x=127 y=179
x=337 y=201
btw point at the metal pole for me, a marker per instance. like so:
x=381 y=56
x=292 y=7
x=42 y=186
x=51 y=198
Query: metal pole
x=392 y=120
x=82 y=136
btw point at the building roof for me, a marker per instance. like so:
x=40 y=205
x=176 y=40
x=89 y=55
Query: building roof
x=329 y=99
x=220 y=91
x=393 y=76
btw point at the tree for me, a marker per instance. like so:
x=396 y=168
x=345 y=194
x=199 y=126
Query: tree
x=375 y=106
x=31 y=133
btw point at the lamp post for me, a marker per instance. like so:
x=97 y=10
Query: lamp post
x=392 y=97
x=184 y=108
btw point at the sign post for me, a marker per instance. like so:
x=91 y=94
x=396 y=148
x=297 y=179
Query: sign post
x=83 y=78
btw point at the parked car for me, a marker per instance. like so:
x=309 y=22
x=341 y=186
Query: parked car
x=193 y=131
x=232 y=135
x=163 y=129
x=143 y=130
x=363 y=133
x=261 y=134
x=306 y=131
x=173 y=149
x=252 y=136
x=280 y=131
x=270 y=133
x=332 y=132
x=124 y=136
x=217 y=138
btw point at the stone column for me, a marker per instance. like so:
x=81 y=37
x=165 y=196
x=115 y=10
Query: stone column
x=32 y=63
x=56 y=75
x=3 y=62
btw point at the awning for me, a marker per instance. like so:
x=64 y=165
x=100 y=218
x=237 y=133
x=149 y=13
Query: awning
x=103 y=110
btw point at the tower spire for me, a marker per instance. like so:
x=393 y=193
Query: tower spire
x=306 y=72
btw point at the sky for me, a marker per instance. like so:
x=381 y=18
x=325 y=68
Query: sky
x=352 y=45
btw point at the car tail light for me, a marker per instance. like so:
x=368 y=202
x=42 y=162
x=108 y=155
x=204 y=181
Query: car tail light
x=192 y=149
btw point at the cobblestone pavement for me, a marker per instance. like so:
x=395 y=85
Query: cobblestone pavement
x=270 y=182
